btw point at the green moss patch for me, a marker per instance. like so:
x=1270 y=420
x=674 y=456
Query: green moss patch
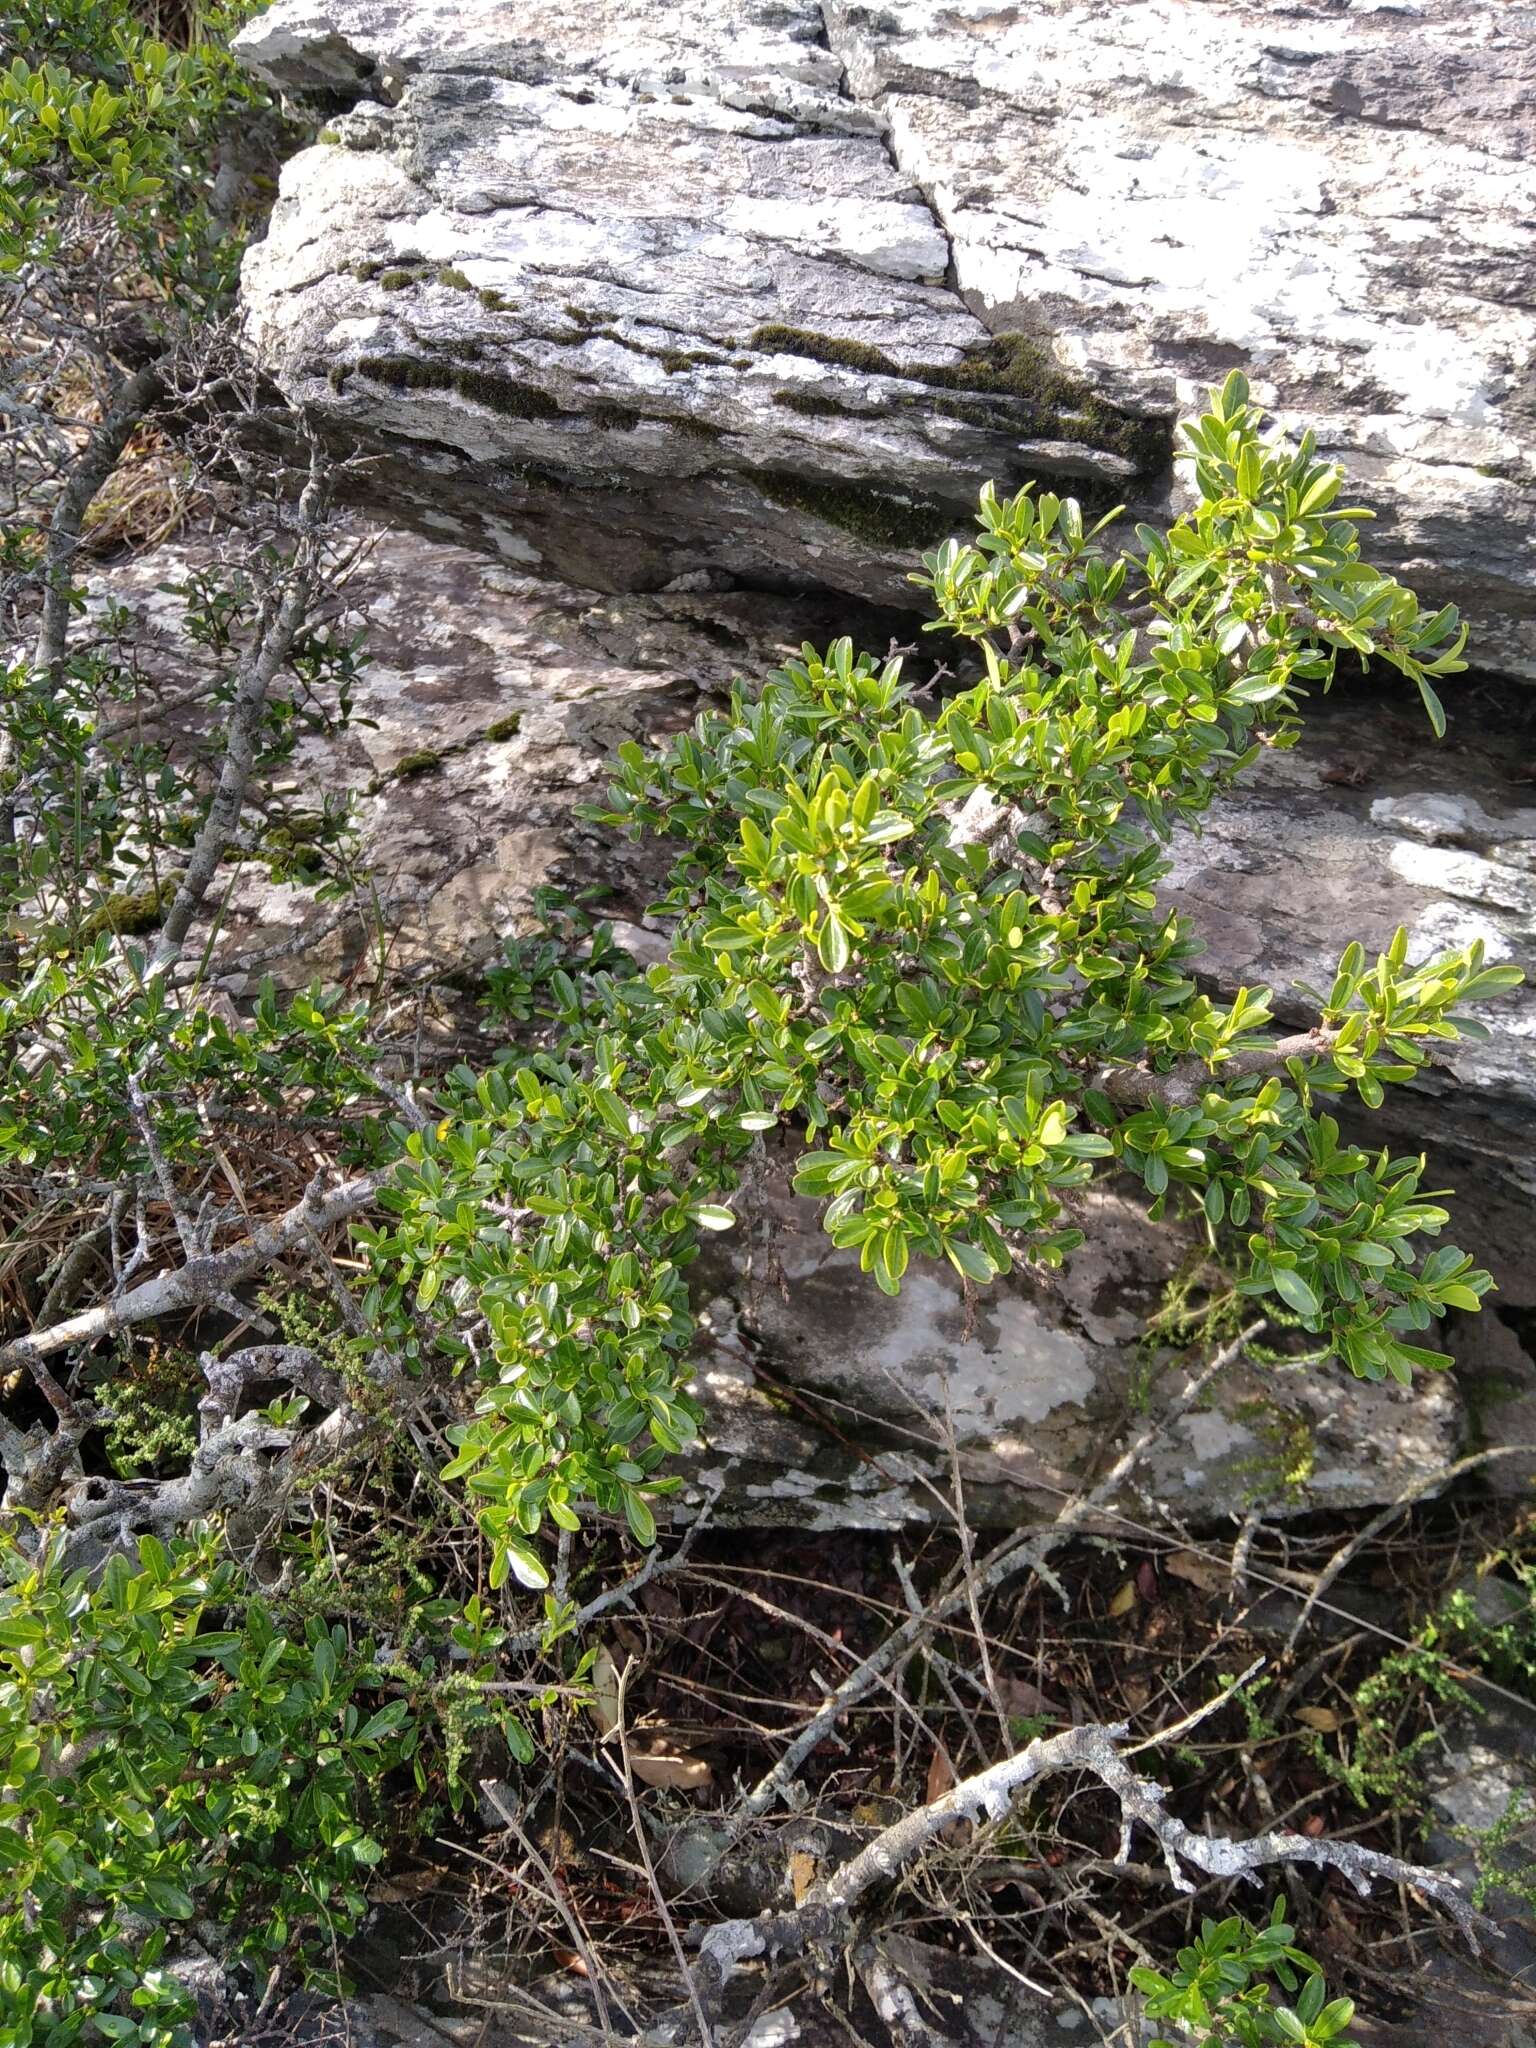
x=879 y=517
x=811 y=404
x=506 y=395
x=128 y=911
x=1013 y=372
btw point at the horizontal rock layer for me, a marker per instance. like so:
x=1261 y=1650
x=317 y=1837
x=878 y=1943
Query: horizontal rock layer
x=765 y=292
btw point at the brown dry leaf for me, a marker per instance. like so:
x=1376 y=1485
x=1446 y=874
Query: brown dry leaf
x=802 y=1873
x=1022 y=1698
x=604 y=1708
x=1123 y=1601
x=1313 y=1825
x=671 y=1771
x=1323 y=1719
x=406 y=1884
x=1209 y=1574
x=941 y=1775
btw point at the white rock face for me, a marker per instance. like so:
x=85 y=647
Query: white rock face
x=739 y=287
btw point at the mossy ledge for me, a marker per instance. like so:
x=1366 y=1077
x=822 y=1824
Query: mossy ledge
x=506 y=395
x=1012 y=370
x=126 y=913
x=879 y=517
x=424 y=761
x=813 y=405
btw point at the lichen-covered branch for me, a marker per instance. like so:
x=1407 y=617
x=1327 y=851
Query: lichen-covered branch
x=36 y=1463
x=827 y=1915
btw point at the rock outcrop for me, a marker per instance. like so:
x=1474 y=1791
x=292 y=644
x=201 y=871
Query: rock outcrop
x=762 y=293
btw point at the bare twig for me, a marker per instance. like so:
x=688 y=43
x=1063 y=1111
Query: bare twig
x=283 y=616
x=627 y=1777
x=1427 y=1482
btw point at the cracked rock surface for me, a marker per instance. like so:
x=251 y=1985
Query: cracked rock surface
x=767 y=290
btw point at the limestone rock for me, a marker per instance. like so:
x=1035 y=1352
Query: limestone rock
x=768 y=290
x=487 y=712
x=833 y=1406
x=1367 y=825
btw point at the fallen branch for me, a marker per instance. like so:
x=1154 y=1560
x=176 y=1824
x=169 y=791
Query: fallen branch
x=35 y=1466
x=826 y=1916
x=1428 y=1482
x=241 y=1461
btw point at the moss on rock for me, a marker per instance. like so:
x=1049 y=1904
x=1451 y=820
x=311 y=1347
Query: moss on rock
x=879 y=517
x=509 y=396
x=826 y=348
x=811 y=403
x=128 y=911
x=1010 y=372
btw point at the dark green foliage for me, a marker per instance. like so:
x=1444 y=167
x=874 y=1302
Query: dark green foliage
x=1221 y=1990
x=95 y=109
x=169 y=1749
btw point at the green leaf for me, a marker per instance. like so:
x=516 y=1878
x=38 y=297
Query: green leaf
x=1433 y=706
x=1295 y=1292
x=640 y=1519
x=524 y=1563
x=169 y=1899
x=968 y=1260
x=832 y=946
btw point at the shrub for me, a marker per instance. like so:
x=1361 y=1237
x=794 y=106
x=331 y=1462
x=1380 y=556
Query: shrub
x=104 y=125
x=167 y=1751
x=1221 y=1990
x=924 y=945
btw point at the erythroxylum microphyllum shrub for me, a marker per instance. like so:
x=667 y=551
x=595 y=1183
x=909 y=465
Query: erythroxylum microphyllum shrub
x=921 y=938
